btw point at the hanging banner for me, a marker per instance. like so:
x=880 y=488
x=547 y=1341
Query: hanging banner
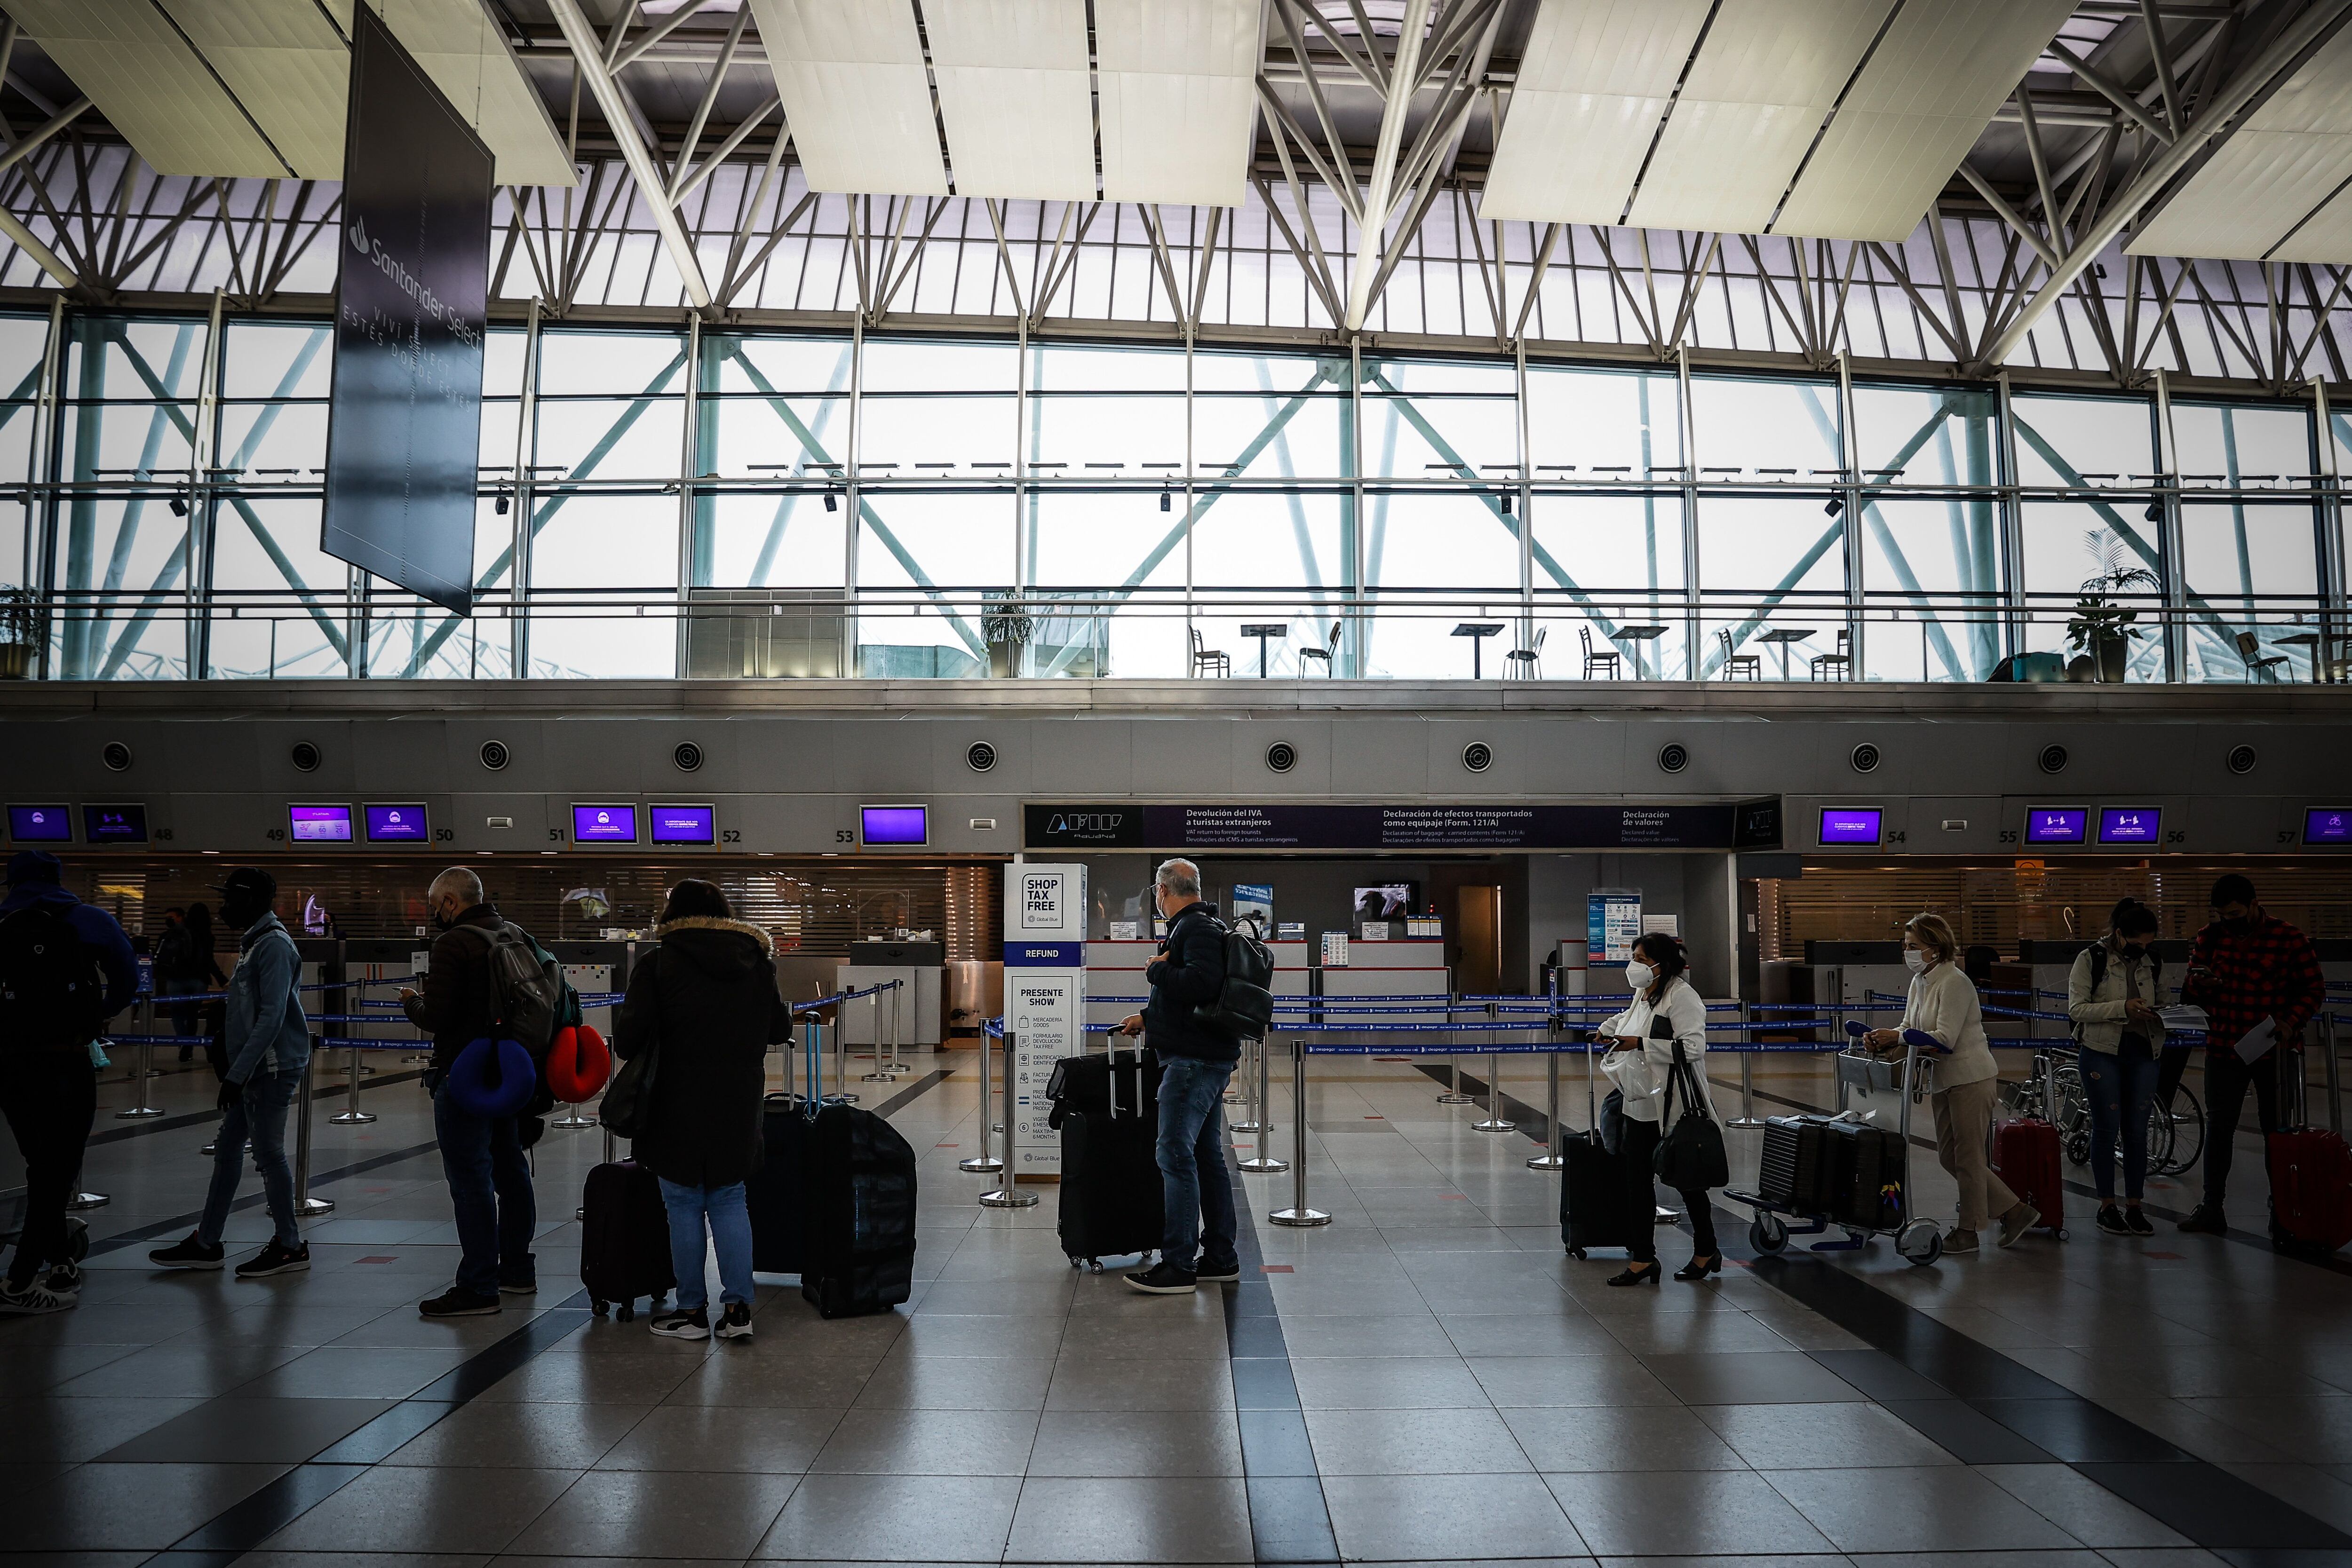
x=412 y=302
x=1284 y=826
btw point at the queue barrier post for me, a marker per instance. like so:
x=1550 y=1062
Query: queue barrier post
x=1298 y=1215
x=351 y=1115
x=1008 y=1194
x=1263 y=1162
x=140 y=1075
x=1555 y=1159
x=1495 y=1121
x=305 y=1205
x=984 y=1163
x=1252 y=1076
x=2328 y=1074
x=1747 y=1116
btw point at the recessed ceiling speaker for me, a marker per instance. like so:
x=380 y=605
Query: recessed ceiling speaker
x=1864 y=757
x=2243 y=759
x=1674 y=757
x=1282 y=756
x=1477 y=756
x=116 y=756
x=2053 y=760
x=687 y=755
x=979 y=757
x=494 y=755
x=305 y=756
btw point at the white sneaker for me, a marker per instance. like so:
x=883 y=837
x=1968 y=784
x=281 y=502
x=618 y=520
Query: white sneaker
x=34 y=1299
x=735 y=1323
x=681 y=1326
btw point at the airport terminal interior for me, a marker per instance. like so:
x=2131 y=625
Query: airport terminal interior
x=1802 y=536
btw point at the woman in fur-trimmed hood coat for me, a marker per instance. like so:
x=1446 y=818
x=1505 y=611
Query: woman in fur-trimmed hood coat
x=707 y=994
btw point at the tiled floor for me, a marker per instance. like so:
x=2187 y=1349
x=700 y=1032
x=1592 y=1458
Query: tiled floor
x=1427 y=1379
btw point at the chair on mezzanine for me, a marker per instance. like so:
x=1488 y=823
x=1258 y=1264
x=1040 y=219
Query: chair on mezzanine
x=1328 y=653
x=1605 y=662
x=2260 y=666
x=1737 y=664
x=1215 y=661
x=1839 y=664
x=1527 y=661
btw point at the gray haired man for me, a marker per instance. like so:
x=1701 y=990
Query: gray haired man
x=1195 y=1061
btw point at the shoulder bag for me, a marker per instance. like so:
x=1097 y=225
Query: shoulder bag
x=1691 y=1155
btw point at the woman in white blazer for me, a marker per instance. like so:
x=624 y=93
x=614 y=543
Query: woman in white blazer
x=1666 y=1013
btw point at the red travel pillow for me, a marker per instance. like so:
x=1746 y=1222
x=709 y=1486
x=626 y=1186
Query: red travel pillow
x=579 y=1065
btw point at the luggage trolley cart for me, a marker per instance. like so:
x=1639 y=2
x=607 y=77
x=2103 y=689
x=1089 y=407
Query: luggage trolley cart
x=1862 y=1077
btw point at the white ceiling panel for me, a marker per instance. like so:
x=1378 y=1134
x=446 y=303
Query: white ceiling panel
x=287 y=65
x=1764 y=80
x=1594 y=81
x=1016 y=96
x=2265 y=193
x=1926 y=94
x=1177 y=98
x=151 y=86
x=856 y=98
x=465 y=51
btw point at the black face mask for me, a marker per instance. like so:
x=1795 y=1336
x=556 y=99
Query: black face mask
x=2236 y=924
x=2135 y=950
x=442 y=922
x=239 y=916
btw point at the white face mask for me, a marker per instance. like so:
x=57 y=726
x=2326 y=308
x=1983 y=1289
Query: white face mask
x=1639 y=975
x=1914 y=960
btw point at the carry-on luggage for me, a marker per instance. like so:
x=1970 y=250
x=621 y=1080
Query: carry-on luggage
x=857 y=1214
x=772 y=1194
x=2025 y=1155
x=1592 y=1201
x=1109 y=1113
x=1796 y=1165
x=2311 y=1177
x=1868 y=1171
x=624 y=1239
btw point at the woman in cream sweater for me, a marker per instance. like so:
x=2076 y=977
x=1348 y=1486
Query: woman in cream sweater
x=1943 y=1003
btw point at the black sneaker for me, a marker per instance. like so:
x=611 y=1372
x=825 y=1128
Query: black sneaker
x=454 y=1303
x=2206 y=1219
x=33 y=1298
x=735 y=1323
x=2111 y=1221
x=2136 y=1221
x=276 y=1259
x=189 y=1254
x=1227 y=1273
x=1164 y=1279
x=517 y=1287
x=695 y=1324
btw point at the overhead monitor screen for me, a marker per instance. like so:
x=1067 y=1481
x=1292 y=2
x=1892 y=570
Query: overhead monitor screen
x=2056 y=824
x=1389 y=901
x=908 y=827
x=604 y=824
x=114 y=824
x=397 y=825
x=1850 y=824
x=319 y=824
x=40 y=824
x=684 y=824
x=2327 y=825
x=2129 y=824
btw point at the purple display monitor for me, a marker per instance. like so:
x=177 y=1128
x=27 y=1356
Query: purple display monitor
x=684 y=824
x=398 y=825
x=40 y=824
x=2130 y=825
x=899 y=827
x=2326 y=825
x=1851 y=825
x=114 y=824
x=2056 y=824
x=604 y=824
x=319 y=824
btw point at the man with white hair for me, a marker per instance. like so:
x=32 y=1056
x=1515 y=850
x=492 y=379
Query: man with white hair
x=482 y=1157
x=1195 y=1060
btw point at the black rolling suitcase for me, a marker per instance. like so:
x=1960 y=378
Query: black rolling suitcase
x=772 y=1193
x=857 y=1214
x=1868 y=1191
x=1108 y=1112
x=624 y=1239
x=1592 y=1202
x=1798 y=1167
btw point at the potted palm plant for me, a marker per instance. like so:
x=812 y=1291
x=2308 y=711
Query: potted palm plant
x=1005 y=625
x=23 y=624
x=2101 y=627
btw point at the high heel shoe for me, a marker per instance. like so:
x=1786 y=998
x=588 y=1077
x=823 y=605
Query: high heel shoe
x=1695 y=1270
x=1648 y=1276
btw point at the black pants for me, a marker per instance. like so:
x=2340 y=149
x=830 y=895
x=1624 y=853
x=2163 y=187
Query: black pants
x=2227 y=1080
x=1639 y=1144
x=50 y=1099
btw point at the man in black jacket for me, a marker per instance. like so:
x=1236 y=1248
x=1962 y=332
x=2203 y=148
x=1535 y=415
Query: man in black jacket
x=482 y=1159
x=1195 y=1062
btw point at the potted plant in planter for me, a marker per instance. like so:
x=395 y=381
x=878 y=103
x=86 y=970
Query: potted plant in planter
x=1005 y=626
x=23 y=627
x=2100 y=627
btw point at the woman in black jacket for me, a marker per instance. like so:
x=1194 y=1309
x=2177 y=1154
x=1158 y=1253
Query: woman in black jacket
x=705 y=1000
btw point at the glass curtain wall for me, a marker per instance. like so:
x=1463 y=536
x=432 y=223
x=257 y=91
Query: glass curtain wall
x=658 y=502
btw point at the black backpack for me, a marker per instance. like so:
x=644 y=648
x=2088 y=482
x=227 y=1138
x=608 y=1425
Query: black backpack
x=52 y=990
x=1244 y=1004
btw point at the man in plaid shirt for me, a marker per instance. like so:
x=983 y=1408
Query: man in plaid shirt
x=2246 y=966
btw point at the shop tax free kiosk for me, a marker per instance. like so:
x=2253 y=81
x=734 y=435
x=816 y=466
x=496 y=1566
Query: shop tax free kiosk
x=1044 y=1000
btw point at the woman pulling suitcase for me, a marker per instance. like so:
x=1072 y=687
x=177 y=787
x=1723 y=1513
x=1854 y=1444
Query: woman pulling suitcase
x=705 y=1002
x=1657 y=1052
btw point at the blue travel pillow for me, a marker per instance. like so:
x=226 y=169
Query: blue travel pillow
x=492 y=1080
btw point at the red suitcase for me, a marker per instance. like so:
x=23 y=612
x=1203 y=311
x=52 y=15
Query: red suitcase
x=2025 y=1153
x=2310 y=1190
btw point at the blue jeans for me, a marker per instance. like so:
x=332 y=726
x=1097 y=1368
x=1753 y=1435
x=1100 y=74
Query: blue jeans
x=1196 y=1193
x=260 y=1115
x=2119 y=1089
x=731 y=1234
x=489 y=1187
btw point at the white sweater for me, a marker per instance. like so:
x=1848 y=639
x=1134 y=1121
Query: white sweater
x=1642 y=1075
x=1943 y=1003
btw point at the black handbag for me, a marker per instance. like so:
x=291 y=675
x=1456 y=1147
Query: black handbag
x=1691 y=1157
x=628 y=1108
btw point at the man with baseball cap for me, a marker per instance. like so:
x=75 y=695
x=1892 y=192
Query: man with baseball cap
x=65 y=969
x=267 y=1045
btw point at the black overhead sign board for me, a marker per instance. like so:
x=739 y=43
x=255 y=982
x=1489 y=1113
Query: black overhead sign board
x=404 y=419
x=1615 y=826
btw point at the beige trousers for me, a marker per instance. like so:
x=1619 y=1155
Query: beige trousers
x=1963 y=1146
